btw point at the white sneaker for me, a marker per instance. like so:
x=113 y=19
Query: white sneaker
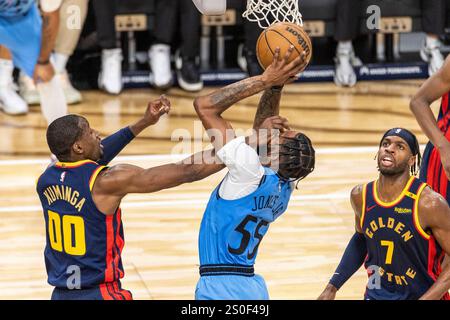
x=72 y=95
x=433 y=56
x=110 y=77
x=159 y=55
x=344 y=73
x=10 y=101
x=28 y=90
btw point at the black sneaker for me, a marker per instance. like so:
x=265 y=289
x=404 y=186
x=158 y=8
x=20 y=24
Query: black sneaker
x=188 y=74
x=248 y=61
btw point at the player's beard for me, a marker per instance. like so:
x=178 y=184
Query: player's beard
x=393 y=171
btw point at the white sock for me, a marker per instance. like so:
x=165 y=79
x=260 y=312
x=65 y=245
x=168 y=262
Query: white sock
x=432 y=42
x=53 y=101
x=344 y=46
x=59 y=61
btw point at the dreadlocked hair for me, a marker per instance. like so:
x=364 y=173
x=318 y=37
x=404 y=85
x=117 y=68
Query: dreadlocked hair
x=298 y=157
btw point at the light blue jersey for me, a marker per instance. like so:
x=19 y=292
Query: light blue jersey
x=15 y=8
x=230 y=234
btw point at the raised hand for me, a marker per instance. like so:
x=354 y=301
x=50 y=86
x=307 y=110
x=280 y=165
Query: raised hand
x=281 y=71
x=156 y=109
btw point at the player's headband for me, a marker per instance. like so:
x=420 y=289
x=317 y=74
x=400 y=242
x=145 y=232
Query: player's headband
x=406 y=135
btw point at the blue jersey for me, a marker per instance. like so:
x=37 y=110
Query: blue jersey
x=406 y=257
x=232 y=230
x=15 y=8
x=77 y=233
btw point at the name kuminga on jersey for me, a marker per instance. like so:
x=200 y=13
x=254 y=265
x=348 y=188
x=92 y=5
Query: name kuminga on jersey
x=64 y=193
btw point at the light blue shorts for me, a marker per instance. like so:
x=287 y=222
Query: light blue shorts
x=231 y=287
x=22 y=36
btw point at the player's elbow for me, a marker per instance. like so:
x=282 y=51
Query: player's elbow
x=202 y=107
x=416 y=103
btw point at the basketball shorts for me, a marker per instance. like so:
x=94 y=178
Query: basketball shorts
x=22 y=36
x=231 y=287
x=108 y=291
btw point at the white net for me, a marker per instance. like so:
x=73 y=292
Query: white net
x=268 y=12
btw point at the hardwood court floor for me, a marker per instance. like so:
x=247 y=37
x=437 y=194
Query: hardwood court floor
x=298 y=254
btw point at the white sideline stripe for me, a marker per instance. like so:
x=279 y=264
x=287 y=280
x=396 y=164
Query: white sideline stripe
x=182 y=203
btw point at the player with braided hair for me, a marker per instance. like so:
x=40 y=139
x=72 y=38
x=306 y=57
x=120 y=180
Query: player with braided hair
x=252 y=195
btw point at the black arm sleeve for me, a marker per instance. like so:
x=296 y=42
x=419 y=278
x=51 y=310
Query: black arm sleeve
x=113 y=144
x=351 y=261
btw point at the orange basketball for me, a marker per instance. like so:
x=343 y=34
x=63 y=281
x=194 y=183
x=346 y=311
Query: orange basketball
x=282 y=35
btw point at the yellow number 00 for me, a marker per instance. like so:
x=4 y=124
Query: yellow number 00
x=56 y=234
x=390 y=250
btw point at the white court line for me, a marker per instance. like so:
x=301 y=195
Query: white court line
x=183 y=203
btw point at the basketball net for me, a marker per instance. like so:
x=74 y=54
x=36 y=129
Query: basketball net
x=268 y=12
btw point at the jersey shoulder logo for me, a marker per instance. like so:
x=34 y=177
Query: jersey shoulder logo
x=370 y=208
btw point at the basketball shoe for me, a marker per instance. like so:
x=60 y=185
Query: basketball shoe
x=10 y=101
x=159 y=56
x=30 y=94
x=110 y=76
x=59 y=62
x=430 y=53
x=344 y=61
x=248 y=61
x=28 y=90
x=188 y=74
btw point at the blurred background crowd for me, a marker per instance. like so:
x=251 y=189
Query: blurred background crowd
x=171 y=43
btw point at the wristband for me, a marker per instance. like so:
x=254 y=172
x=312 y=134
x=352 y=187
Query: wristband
x=43 y=63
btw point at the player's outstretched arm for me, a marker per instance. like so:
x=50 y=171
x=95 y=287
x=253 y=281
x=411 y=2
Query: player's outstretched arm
x=114 y=183
x=210 y=107
x=114 y=144
x=434 y=215
x=430 y=91
x=354 y=254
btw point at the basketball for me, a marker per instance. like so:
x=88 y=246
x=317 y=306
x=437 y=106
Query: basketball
x=282 y=35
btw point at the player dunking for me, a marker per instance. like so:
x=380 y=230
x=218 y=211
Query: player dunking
x=81 y=200
x=402 y=229
x=251 y=196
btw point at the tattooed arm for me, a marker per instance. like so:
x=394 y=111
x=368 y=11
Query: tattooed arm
x=269 y=105
x=210 y=107
x=50 y=24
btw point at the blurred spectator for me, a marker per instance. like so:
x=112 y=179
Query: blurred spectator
x=176 y=17
x=110 y=77
x=347 y=29
x=247 y=59
x=30 y=39
x=66 y=42
x=433 y=24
